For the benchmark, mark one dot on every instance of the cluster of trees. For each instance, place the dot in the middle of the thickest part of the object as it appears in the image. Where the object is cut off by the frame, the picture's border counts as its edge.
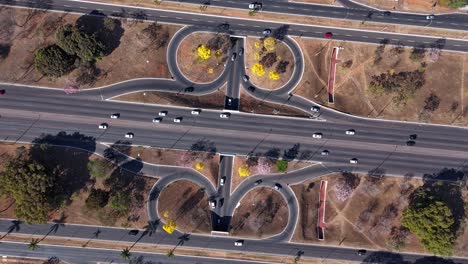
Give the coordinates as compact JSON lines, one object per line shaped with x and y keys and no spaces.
{"x":431,"y":220}
{"x":30,"y":185}
{"x":78,"y":46}
{"x":456,"y":3}
{"x":402,"y":85}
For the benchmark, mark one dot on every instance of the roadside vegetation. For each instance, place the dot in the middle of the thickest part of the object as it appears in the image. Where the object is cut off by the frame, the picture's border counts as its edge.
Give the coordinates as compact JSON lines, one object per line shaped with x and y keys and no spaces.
{"x":399,"y":214}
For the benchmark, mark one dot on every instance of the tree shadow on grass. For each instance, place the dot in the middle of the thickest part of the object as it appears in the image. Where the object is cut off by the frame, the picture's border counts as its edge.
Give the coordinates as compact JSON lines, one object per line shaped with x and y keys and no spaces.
{"x":384,"y":257}
{"x":107,"y":30}
{"x":59,"y":155}
{"x":118,"y":152}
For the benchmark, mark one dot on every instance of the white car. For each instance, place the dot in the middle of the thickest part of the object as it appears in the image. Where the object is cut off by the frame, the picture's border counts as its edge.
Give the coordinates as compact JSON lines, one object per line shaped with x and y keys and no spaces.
{"x":255,"y":6}
{"x":157,"y":120}
{"x":103,"y":126}
{"x":430,"y":17}
{"x":325,"y":152}
{"x":239,"y":243}
{"x":162,"y":113}
{"x":315,"y":109}
{"x":115,"y":116}
{"x":225,"y":115}
{"x":351,"y":132}
{"x":177,"y":119}
{"x":129,"y":135}
{"x":212,"y":204}
{"x":353,"y":161}
{"x":317,"y":135}
{"x":196,"y":112}
{"x":222,"y":181}
{"x":278,"y":186}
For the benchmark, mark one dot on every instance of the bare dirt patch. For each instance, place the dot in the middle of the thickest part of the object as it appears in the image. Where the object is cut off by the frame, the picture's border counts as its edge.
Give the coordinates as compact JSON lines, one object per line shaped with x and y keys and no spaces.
{"x":179,"y":158}
{"x":186,"y":204}
{"x":249,"y":104}
{"x":25,"y":31}
{"x":199,"y":70}
{"x":262,"y":213}
{"x":279,"y":59}
{"x":367,"y":215}
{"x":443,"y":77}
{"x":213,"y":100}
{"x":260,"y":165}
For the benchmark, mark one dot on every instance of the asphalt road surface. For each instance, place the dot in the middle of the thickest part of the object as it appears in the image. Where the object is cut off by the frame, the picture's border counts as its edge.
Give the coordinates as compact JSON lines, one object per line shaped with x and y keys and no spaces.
{"x":249,"y":27}
{"x":351,"y":11}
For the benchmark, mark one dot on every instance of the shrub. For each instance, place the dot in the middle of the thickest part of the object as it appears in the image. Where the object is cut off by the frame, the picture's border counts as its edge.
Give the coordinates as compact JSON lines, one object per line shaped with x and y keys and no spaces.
{"x":282,"y":165}
{"x":273,"y":75}
{"x":121,"y":202}
{"x":169,"y":227}
{"x":98,"y":168}
{"x":203,"y":52}
{"x":269,"y":59}
{"x":97,"y":199}
{"x":432,"y":103}
{"x":269,"y":43}
{"x":53,"y":61}
{"x":244,"y":171}
{"x":258,"y":69}
{"x":282,"y":66}
{"x":199,"y":166}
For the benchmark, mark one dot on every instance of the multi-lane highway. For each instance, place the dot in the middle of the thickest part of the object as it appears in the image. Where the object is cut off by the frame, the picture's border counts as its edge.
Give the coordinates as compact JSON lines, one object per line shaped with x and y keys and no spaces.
{"x":243,"y":26}
{"x":351,"y":11}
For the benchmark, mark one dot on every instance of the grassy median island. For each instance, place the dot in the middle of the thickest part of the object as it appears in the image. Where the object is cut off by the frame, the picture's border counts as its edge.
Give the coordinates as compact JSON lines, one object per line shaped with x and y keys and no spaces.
{"x":201,"y":56}
{"x":384,"y":213}
{"x":424,"y":84}
{"x":269,"y":62}
{"x":263,"y":212}
{"x":77,"y":186}
{"x":35,"y":49}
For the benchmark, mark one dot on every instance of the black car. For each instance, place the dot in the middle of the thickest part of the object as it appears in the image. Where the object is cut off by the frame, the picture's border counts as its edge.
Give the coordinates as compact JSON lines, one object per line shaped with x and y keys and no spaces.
{"x":361,"y":252}
{"x":258,"y":182}
{"x":413,"y":137}
{"x":189,"y":89}
{"x":410,"y":143}
{"x":133,"y":232}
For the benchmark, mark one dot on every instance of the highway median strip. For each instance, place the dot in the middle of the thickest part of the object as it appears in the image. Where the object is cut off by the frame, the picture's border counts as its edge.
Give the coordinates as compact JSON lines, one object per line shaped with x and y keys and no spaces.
{"x":149,"y":248}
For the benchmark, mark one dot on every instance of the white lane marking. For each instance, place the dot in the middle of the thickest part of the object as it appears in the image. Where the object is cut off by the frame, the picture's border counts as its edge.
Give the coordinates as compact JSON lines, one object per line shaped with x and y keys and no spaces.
{"x":241,"y":24}
{"x":363,"y":36}
{"x":83,"y":7}
{"x":411,"y":41}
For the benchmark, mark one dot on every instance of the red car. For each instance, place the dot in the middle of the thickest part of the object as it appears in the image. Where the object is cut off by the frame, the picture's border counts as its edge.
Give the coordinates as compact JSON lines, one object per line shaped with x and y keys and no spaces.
{"x":2,"y":92}
{"x":328,"y":35}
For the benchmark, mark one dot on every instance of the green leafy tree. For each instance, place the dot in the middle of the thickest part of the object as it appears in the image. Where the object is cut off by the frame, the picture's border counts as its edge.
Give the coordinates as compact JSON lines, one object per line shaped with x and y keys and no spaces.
{"x":456,"y":3}
{"x":282,"y":165}
{"x":431,"y":221}
{"x":30,"y":185}
{"x":98,"y":168}
{"x":78,"y":43}
{"x":125,"y":254}
{"x":34,"y":244}
{"x":97,"y":199}
{"x":53,"y":61}
{"x":121,"y":202}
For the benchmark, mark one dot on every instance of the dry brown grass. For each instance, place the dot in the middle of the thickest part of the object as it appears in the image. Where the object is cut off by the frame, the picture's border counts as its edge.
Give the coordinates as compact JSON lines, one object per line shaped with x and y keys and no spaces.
{"x":361,"y":220}
{"x":249,"y":104}
{"x":445,"y":78}
{"x":196,"y":69}
{"x":187,"y":205}
{"x":39,"y":31}
{"x":262,"y":213}
{"x":213,"y":100}
{"x":176,"y":158}
{"x":422,"y":6}
{"x":283,"y":53}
